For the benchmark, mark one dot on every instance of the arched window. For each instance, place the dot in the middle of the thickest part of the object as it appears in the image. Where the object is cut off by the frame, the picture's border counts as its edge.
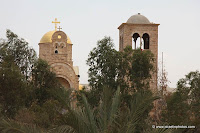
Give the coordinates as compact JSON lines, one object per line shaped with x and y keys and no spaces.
{"x":56,"y":51}
{"x":56,"y":45}
{"x":146,"y":40}
{"x":136,"y":41}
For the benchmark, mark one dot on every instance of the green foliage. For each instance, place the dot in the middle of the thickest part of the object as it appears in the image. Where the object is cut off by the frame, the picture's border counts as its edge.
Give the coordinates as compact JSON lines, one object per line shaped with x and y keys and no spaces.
{"x":102,"y":61}
{"x":111,"y":68}
{"x":136,"y":67}
{"x":10,"y":126}
{"x":17,"y":50}
{"x":48,"y":97}
{"x":47,"y":114}
{"x":177,"y":110}
{"x":16,"y":59}
{"x":13,"y":88}
{"x":44,"y":81}
{"x":29,"y":90}
{"x":141,"y":69}
{"x":183,"y":105}
{"x":103,"y":119}
{"x":109,"y":116}
{"x":93,"y":97}
{"x":129,"y":69}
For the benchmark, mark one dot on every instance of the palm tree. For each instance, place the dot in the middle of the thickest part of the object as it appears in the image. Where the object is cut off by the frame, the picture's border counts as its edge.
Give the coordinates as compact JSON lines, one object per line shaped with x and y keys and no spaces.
{"x":110,"y":116}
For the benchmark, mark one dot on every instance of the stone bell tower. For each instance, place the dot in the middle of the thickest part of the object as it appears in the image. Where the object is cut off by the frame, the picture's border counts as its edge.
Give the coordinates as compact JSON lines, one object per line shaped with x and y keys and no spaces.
{"x":56,"y":48}
{"x":138,"y":32}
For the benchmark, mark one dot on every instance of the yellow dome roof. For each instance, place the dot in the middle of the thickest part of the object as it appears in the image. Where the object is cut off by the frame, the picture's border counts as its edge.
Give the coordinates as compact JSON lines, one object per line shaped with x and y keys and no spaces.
{"x":47,"y":38}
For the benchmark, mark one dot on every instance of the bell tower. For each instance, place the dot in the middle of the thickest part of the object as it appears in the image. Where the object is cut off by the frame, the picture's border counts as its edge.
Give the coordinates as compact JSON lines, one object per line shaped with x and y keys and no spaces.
{"x":139,"y":32}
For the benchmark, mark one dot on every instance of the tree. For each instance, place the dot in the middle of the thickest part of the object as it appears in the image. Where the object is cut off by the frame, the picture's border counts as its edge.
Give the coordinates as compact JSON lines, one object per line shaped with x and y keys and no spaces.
{"x":108,"y":116}
{"x":103,"y":61}
{"x":189,"y":89}
{"x":44,"y":81}
{"x":177,"y":110}
{"x":136,"y":67}
{"x":48,"y":97}
{"x":17,"y":50}
{"x":129,"y":69}
{"x":16,"y":59}
{"x":13,"y":88}
{"x":183,"y":106}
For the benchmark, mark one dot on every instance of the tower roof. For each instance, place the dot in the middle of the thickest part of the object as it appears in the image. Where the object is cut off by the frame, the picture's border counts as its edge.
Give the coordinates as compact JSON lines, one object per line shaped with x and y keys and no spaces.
{"x":138,"y":19}
{"x":47,"y":37}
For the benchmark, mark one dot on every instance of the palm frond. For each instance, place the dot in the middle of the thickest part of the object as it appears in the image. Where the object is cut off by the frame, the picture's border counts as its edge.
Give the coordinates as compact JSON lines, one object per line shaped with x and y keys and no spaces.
{"x":90,"y":116}
{"x":140,"y":103}
{"x":11,"y":126}
{"x":114,"y":107}
{"x":63,"y":129}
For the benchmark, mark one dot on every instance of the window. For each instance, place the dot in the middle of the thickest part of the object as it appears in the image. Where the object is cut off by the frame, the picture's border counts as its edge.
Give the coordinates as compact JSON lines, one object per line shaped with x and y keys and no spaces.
{"x":59,"y":36}
{"x":136,"y":41}
{"x":146,"y":40}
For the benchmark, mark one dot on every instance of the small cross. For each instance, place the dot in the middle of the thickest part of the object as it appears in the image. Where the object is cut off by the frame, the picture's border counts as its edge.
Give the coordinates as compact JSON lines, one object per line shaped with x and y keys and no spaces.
{"x":55,"y":22}
{"x":59,"y":28}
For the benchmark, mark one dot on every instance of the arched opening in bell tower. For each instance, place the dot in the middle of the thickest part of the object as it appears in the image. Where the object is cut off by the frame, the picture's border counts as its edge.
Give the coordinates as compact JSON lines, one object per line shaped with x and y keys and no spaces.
{"x":136,"y":41}
{"x":145,"y":38}
{"x":64,"y":82}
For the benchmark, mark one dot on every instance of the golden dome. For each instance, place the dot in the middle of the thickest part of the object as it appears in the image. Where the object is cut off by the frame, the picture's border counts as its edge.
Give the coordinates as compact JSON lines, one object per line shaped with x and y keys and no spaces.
{"x":47,"y":38}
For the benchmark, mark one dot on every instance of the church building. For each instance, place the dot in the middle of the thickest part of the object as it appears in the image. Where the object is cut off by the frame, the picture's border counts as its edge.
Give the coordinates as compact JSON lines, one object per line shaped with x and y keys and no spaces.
{"x":56,"y":48}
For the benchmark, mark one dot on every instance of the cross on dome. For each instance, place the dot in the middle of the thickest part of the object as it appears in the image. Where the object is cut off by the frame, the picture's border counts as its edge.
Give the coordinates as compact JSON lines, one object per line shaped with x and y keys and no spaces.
{"x":55,"y":22}
{"x":59,"y":28}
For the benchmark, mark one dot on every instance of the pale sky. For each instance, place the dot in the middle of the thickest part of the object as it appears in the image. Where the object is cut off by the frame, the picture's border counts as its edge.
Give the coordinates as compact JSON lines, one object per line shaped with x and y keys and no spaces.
{"x":86,"y":21}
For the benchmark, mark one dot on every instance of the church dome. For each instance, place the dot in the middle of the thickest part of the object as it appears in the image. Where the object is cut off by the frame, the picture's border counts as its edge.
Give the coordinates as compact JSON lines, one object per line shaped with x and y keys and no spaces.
{"x":47,"y":38}
{"x":138,"y":19}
